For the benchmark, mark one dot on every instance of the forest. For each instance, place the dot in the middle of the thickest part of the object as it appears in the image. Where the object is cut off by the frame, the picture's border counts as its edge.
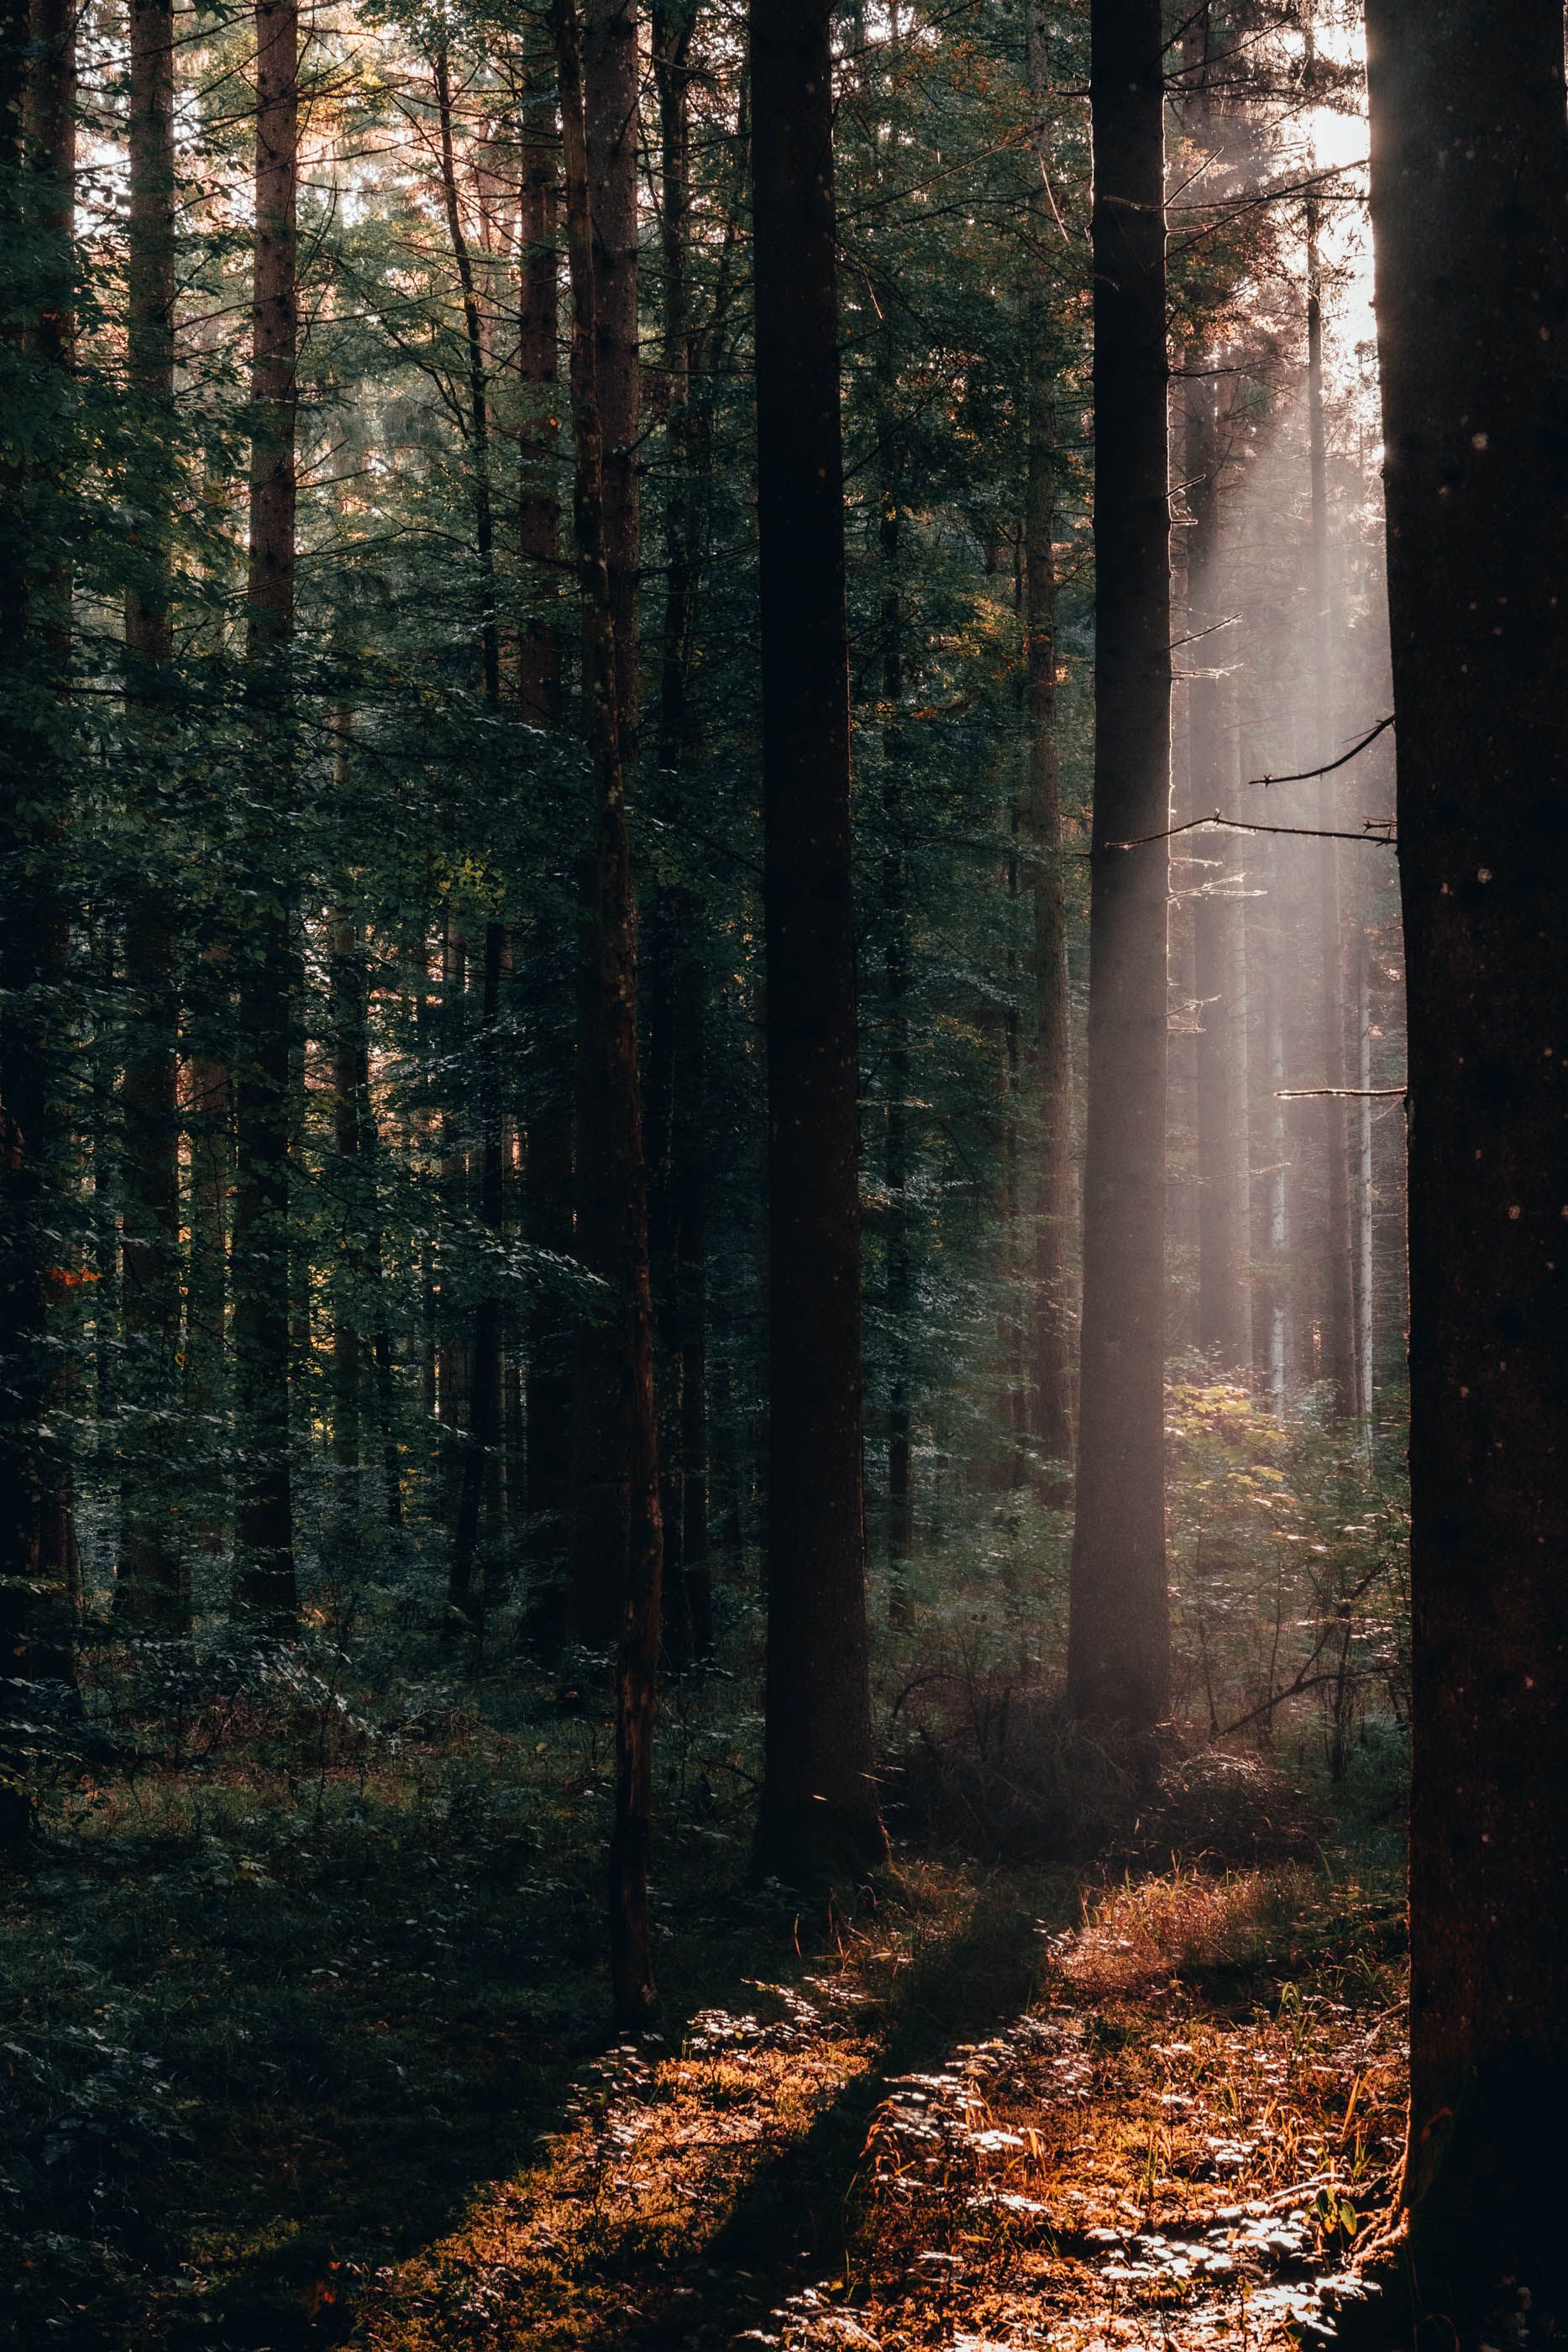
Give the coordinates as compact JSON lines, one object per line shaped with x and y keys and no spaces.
{"x":783,"y":1356}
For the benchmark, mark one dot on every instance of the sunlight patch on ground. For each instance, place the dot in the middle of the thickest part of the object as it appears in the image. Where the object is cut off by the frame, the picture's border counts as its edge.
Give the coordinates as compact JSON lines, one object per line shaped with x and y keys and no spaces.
{"x":1179,"y":2142}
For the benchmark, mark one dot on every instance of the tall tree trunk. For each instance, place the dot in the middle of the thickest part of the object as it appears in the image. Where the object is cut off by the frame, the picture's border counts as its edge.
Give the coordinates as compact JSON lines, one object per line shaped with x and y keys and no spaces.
{"x":1053,"y":1350}
{"x":484,"y":1434}
{"x":612,"y":79}
{"x":264,"y":1569}
{"x":1336,"y":1301}
{"x":538,"y":507}
{"x":151,"y":1575}
{"x":454,"y":1358}
{"x":620,"y":1200}
{"x":208,"y":1111}
{"x":547,"y":1207}
{"x":347,"y":981}
{"x":478,"y":381}
{"x":1224,"y":1294}
{"x":1366,"y":1397}
{"x":36,"y":170}
{"x":818,"y":1810}
{"x":603,"y":1508}
{"x":1119,"y":1643}
{"x":547,"y":1178}
{"x":1470,"y":193}
{"x":895,"y":1168}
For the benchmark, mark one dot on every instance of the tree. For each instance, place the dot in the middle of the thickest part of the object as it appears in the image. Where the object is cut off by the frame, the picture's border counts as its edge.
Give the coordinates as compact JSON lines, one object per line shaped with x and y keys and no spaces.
{"x":612,"y":1094}
{"x":603,"y":1505}
{"x":1335,"y":1264}
{"x":1119,"y":1664}
{"x":1053,"y":1351}
{"x":152,"y":1572}
{"x":1469,"y":190}
{"x":819,"y":1809}
{"x":264,"y":1569}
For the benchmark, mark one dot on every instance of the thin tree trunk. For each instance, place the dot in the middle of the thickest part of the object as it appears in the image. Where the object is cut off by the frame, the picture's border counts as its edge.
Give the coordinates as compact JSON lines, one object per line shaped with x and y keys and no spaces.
{"x":611,"y":75}
{"x":1365,"y":1193}
{"x":818,"y":1810}
{"x":151,"y":1575}
{"x":36,"y":172}
{"x":1470,"y":193}
{"x":209,"y":1127}
{"x":478,"y":385}
{"x":539,"y":506}
{"x":265,"y":1584}
{"x":1336,"y":1301}
{"x":485,"y":1387}
{"x":454,"y":1353}
{"x":549,"y":1191}
{"x":1224,"y":1297}
{"x":349,"y":1049}
{"x":900,"y":1278}
{"x":1119,"y":1641}
{"x":620,"y":1208}
{"x":602,"y":1506}
{"x":1277,"y":1162}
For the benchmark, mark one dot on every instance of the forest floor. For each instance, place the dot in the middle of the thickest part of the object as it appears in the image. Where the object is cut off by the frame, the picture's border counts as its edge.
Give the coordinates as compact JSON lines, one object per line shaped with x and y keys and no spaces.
{"x":306,"y":2048}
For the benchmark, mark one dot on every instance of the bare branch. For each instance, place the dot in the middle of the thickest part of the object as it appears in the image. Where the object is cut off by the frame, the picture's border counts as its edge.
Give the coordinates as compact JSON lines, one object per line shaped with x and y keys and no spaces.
{"x":1305,"y":776}
{"x":1384,"y":840}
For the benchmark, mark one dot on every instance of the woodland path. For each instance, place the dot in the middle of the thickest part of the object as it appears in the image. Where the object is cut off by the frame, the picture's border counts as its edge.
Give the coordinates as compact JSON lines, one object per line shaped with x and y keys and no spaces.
{"x":964,"y":2131}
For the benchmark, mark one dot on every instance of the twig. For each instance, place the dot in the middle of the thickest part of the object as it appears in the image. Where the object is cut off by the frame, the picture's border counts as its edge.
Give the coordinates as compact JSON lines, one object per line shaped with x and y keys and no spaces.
{"x":1239,"y":825}
{"x":1305,"y":776}
{"x":1340,"y":1094}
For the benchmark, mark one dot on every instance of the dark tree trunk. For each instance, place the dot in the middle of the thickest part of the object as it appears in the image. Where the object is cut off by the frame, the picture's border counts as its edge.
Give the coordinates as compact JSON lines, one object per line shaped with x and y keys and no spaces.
{"x":895,"y":1168}
{"x":264,"y":1567}
{"x":455,"y":1356}
{"x":478,"y":421}
{"x":539,"y":506}
{"x":548,"y":1179}
{"x":1470,"y":194}
{"x":480,"y":1459}
{"x":37,"y":89}
{"x":551,"y":1231}
{"x":611,"y":77}
{"x":819,"y":1809}
{"x":210,"y":1129}
{"x":349,"y":1052}
{"x":602,"y":1505}
{"x":613,"y":1096}
{"x":1052,"y":1350}
{"x":1119,"y":1647}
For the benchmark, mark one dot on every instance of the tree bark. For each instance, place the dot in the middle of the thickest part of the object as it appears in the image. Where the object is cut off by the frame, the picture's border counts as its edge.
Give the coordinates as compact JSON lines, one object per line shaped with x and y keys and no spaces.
{"x":265,"y":1585}
{"x":1053,"y":1350}
{"x":538,"y":506}
{"x":1224,"y":1294}
{"x":616,"y":1099}
{"x":346,"y":981}
{"x":478,"y":381}
{"x":480,"y":1459}
{"x":1119,"y":1641}
{"x":37,"y":176}
{"x":819,"y":1812}
{"x":1470,"y":190}
{"x":896,"y":1167}
{"x":611,"y":77}
{"x":1336,"y":1299}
